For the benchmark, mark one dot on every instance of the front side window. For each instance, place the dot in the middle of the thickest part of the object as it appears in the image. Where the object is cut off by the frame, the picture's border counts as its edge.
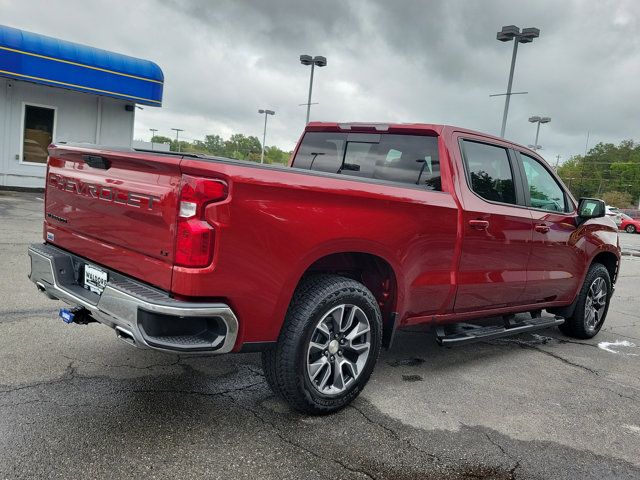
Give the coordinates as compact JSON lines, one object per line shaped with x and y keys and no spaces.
{"x":489,"y":172}
{"x":544,"y":191}
{"x":38,"y":133}
{"x":406,"y":159}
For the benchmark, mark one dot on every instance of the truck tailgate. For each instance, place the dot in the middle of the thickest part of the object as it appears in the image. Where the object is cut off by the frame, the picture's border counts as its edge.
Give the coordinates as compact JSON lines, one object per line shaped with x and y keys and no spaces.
{"x":118,"y":209}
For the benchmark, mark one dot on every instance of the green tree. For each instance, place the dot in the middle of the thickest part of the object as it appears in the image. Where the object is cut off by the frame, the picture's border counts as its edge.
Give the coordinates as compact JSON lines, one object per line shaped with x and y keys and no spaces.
{"x":618,"y":199}
{"x":160,"y":139}
{"x":242,"y":147}
{"x":275,"y":155}
{"x":605,"y":168}
{"x":238,"y":146}
{"x":214,"y":144}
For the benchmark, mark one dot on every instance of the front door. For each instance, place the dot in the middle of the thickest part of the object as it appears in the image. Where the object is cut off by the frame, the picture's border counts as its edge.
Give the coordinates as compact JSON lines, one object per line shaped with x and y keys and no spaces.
{"x":497,"y":227}
{"x":555,"y":265}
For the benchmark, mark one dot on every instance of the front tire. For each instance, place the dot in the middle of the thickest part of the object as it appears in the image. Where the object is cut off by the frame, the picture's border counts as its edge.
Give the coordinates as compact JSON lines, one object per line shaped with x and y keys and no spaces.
{"x":328,"y":346}
{"x":630,"y":229}
{"x":592,"y":304}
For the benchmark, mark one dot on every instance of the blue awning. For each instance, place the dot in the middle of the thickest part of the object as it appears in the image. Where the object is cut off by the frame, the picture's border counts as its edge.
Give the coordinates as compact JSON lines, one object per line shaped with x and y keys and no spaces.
{"x":36,"y":58}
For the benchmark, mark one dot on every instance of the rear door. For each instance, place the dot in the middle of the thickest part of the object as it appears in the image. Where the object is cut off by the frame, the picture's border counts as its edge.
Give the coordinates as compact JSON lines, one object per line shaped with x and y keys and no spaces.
{"x":497,"y":226}
{"x":556,"y":265}
{"x":117,"y":209}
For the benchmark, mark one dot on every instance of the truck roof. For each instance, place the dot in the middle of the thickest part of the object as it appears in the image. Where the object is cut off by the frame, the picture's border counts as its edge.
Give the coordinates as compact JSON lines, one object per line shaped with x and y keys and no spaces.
{"x":391,"y":127}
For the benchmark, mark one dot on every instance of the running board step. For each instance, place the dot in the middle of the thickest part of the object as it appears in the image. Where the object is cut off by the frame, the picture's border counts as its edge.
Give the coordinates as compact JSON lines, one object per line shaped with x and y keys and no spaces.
{"x":464,"y":333}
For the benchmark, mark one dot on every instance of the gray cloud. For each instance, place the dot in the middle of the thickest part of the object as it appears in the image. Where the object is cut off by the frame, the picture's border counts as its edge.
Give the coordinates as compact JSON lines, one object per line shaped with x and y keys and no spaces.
{"x":425,"y":61}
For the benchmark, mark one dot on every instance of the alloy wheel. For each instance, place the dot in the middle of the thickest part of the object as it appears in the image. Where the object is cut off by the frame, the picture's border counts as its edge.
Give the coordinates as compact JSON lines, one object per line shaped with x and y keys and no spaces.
{"x":595,"y":304}
{"x":338,"y":349}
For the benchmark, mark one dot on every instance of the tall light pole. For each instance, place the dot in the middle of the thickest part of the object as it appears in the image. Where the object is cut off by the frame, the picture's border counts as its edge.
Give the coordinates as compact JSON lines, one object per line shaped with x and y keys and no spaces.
{"x":178,"y":130}
{"x":264,"y":132}
{"x":537,"y":119}
{"x":508,"y":33}
{"x":316,"y":61}
{"x":153,"y":134}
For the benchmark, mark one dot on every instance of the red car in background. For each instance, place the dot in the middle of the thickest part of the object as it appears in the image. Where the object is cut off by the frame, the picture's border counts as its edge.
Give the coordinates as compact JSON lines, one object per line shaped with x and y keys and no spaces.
{"x":628,"y":224}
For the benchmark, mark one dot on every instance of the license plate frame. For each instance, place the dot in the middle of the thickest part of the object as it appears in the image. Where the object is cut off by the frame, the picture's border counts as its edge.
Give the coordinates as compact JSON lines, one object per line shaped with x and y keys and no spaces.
{"x":95,"y":279}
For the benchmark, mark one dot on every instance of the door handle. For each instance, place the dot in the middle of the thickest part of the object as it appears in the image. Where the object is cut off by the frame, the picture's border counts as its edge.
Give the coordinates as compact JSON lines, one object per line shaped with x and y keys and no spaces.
{"x":542,"y":228}
{"x":479,"y":224}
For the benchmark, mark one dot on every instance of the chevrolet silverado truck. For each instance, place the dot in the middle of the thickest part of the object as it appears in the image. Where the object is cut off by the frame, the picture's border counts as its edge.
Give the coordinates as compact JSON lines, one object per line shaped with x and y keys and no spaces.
{"x":371,"y":228}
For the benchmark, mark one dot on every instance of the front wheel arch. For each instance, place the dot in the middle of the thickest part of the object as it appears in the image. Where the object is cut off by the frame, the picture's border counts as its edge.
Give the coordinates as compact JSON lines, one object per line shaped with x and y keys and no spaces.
{"x":610,"y":261}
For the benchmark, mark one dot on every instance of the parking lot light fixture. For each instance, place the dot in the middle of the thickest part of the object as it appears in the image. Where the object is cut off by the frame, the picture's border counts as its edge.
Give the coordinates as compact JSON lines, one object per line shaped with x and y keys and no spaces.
{"x":538,"y":119}
{"x":317,"y":61}
{"x":153,"y":134}
{"x":264,"y":132}
{"x":507,"y":34}
{"x":178,"y":130}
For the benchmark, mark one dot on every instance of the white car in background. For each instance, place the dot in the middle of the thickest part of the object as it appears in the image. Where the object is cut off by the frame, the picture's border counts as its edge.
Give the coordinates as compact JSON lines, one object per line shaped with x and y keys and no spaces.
{"x":614,"y":213}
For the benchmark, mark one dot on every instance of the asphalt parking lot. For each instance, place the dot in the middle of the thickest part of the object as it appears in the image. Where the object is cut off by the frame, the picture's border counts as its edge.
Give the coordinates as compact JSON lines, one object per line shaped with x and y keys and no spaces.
{"x":77,"y":403}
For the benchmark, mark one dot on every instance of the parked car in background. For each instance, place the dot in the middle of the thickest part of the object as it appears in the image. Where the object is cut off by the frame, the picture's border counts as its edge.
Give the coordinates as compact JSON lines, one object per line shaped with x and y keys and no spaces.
{"x":614,"y":214}
{"x":628,"y":224}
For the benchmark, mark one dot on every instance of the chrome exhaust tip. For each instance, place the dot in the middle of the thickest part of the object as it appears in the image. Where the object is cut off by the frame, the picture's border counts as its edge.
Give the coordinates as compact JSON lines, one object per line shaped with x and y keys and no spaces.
{"x":125,"y":335}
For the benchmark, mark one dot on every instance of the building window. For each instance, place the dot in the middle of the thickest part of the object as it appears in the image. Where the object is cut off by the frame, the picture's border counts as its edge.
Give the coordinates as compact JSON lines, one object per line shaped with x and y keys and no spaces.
{"x":38,"y":131}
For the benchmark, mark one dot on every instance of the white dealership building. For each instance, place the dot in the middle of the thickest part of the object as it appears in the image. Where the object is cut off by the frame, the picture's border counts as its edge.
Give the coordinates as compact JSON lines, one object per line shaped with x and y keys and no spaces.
{"x":52,"y":90}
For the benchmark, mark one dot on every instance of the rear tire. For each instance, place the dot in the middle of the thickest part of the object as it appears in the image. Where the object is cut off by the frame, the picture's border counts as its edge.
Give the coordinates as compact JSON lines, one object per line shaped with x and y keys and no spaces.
{"x":328,"y":346}
{"x":592,"y":304}
{"x":630,"y":229}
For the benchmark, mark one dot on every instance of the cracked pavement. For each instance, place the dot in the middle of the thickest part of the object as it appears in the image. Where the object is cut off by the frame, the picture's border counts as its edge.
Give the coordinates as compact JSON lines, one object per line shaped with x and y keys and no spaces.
{"x":77,"y":403}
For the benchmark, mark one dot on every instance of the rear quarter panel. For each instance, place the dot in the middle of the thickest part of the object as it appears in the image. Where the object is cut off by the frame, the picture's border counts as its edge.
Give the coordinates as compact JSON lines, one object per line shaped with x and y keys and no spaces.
{"x":278,"y":222}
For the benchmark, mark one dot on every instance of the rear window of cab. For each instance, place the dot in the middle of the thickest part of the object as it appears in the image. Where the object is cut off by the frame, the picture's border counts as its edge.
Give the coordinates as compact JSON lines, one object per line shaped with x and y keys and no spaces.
{"x":403,"y":159}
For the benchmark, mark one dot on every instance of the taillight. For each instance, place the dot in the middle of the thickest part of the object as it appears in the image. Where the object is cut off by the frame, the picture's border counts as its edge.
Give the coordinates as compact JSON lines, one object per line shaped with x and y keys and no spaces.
{"x":195,"y":237}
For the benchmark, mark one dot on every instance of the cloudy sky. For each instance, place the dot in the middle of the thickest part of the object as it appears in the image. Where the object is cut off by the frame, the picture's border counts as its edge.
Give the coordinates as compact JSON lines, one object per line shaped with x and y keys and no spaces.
{"x":402,"y":61}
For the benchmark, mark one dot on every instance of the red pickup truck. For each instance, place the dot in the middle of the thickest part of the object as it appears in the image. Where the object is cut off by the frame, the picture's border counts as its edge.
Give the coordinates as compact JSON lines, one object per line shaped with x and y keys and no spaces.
{"x":371,"y":228}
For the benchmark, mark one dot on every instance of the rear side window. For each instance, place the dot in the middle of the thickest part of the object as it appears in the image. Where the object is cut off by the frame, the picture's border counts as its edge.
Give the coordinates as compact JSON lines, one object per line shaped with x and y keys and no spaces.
{"x":489,"y":171}
{"x":544,"y":191}
{"x":406,"y":159}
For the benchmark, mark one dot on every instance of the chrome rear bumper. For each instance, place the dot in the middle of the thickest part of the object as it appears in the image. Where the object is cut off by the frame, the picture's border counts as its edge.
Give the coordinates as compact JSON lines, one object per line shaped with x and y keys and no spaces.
{"x":141,"y":315}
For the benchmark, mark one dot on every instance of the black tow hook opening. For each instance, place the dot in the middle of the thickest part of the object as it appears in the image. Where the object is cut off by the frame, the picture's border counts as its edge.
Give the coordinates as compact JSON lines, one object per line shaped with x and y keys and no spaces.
{"x":79,"y":315}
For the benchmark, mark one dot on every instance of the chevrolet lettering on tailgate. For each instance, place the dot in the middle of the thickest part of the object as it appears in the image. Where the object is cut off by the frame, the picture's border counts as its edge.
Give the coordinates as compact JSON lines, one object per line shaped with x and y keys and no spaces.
{"x":108,"y":194}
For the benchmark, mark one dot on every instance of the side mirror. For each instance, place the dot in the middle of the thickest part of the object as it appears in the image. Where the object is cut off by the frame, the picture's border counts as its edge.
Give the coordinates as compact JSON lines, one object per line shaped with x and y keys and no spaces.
{"x":591,"y":208}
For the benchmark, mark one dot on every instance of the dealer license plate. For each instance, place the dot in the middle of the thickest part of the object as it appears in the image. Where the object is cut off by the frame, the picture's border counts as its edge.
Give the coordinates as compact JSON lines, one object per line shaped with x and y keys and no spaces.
{"x":94,"y":279}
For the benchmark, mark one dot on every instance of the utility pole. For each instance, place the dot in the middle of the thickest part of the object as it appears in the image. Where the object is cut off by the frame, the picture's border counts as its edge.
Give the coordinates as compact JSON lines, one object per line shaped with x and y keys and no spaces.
{"x":586,"y":144}
{"x":557,"y":161}
{"x":178,"y":130}
{"x":153,"y":134}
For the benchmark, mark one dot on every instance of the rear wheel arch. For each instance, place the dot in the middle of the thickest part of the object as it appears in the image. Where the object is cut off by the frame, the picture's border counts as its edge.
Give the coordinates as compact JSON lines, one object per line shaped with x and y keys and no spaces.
{"x":373,"y":271}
